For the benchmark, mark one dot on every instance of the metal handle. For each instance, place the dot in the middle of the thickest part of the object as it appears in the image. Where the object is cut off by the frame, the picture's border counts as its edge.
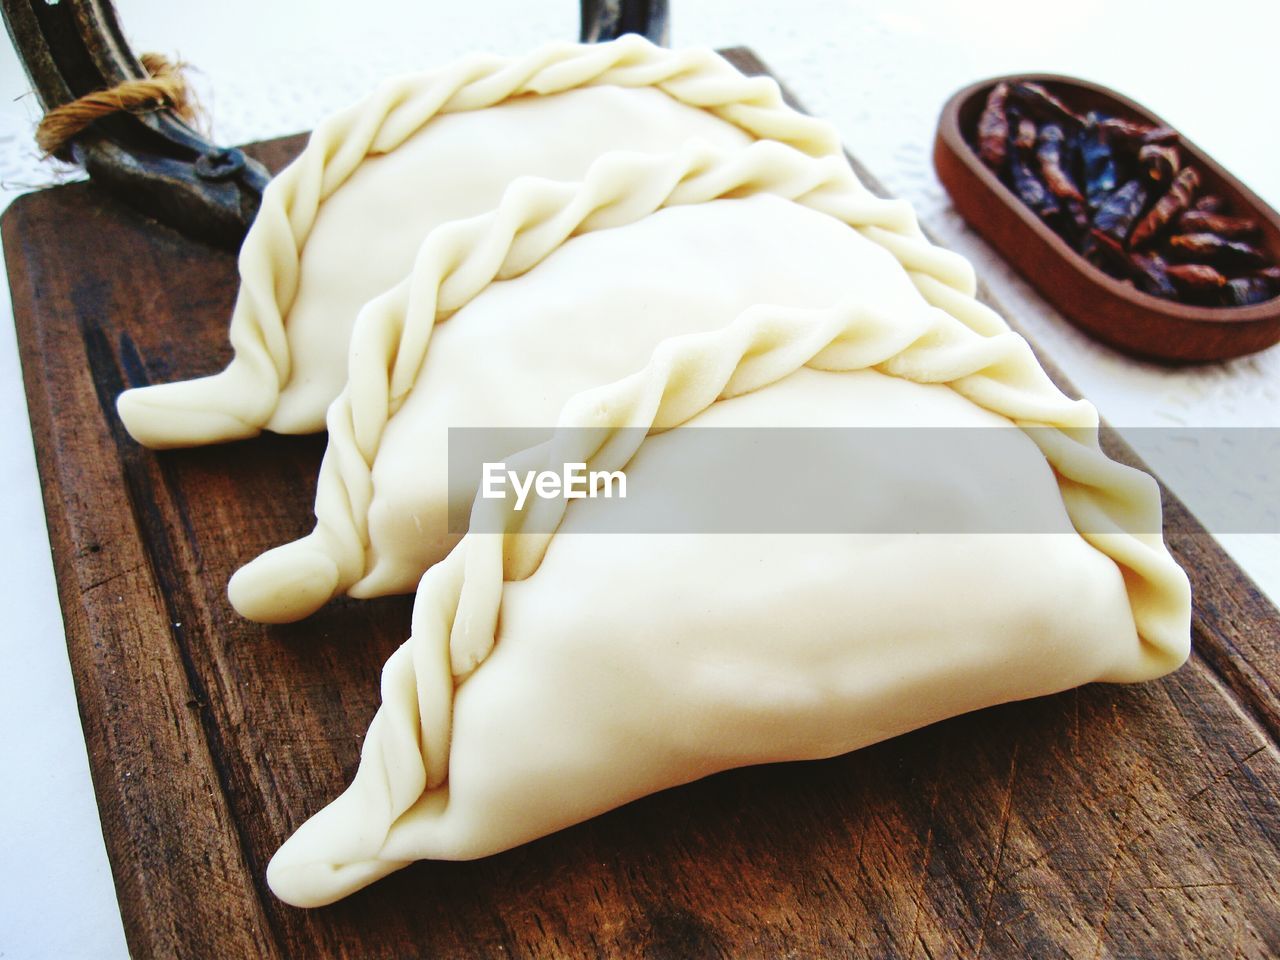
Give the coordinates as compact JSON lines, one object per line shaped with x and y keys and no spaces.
{"x":610,"y":19}
{"x":155,"y":161}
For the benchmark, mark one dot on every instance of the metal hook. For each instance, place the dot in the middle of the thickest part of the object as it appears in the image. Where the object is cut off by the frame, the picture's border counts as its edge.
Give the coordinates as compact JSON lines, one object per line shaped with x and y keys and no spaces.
{"x":151,"y":160}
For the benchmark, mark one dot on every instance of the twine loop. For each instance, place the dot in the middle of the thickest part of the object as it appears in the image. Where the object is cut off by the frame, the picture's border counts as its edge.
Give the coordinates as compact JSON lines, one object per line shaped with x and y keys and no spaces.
{"x":165,"y":88}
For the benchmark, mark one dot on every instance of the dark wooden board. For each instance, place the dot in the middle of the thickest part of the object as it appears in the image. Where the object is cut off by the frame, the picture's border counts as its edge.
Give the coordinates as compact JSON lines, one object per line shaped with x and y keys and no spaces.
{"x":1107,"y":821}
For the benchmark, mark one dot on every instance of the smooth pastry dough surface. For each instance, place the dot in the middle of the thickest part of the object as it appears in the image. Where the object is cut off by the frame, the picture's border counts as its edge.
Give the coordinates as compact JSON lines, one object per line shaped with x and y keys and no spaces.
{"x":343,"y":222}
{"x":597,"y":273}
{"x":551,"y":677}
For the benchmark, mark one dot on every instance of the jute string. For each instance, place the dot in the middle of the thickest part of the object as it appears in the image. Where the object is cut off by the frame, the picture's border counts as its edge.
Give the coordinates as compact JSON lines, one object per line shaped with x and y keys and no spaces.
{"x":165,"y":89}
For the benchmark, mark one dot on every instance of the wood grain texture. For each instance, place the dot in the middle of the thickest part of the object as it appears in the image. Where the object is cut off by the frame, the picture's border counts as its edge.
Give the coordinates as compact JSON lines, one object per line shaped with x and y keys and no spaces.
{"x":1103,"y":822}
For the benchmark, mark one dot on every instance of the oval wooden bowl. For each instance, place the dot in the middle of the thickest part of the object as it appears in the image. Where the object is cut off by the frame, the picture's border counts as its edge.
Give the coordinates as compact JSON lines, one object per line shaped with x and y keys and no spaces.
{"x":1114,"y":312}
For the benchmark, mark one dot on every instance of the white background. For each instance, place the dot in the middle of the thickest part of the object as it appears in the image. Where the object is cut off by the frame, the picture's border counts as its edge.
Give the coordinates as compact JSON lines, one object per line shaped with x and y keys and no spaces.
{"x":880,"y":70}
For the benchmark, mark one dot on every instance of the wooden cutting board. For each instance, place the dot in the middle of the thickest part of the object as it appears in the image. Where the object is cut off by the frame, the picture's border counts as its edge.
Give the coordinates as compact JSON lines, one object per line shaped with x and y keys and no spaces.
{"x":1107,"y":821}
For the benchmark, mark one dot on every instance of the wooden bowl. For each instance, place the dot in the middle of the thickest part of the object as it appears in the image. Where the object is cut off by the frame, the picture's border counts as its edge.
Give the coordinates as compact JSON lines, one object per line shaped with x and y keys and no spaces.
{"x":1114,"y":312}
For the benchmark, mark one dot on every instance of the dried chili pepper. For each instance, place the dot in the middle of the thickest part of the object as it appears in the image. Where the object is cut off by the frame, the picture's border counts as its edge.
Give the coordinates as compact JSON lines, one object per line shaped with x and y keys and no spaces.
{"x":1181,"y":192}
{"x":1118,"y":212}
{"x":1195,"y":277}
{"x":1043,"y":104}
{"x":1031,"y":189}
{"x":1098,"y":162}
{"x":1213,"y":250}
{"x":1153,"y":275}
{"x":993,"y":128}
{"x":1133,"y":133}
{"x":1245,"y":291}
{"x":1056,"y":178}
{"x":1159,"y":162}
{"x":1271,"y":276}
{"x":1049,"y":153}
{"x":1229,"y":228}
{"x":1025,"y":134}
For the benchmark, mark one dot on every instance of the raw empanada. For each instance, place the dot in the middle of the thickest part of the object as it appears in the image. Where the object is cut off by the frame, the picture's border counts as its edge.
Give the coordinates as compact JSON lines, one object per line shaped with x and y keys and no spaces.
{"x":583,"y":305}
{"x":551,"y":677}
{"x":343,"y":222}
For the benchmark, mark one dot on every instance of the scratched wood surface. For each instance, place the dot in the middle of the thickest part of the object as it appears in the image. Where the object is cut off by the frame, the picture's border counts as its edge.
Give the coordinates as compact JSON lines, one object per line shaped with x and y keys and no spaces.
{"x":1105,"y":822}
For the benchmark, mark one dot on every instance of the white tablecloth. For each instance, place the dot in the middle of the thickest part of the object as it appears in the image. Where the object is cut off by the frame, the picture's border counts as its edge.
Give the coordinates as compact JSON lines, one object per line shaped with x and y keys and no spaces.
{"x":881,"y":71}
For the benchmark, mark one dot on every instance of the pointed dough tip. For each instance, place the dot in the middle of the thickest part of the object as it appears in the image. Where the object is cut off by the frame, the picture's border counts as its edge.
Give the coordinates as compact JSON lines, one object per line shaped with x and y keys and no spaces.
{"x":167,"y":415}
{"x":284,"y":584}
{"x":301,"y":881}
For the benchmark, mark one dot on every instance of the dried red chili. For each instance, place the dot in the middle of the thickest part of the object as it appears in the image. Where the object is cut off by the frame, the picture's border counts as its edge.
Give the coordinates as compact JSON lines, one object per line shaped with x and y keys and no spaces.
{"x":1031,"y":190}
{"x":1098,"y":162}
{"x":1246,"y":291}
{"x":1049,"y":153}
{"x":1196,"y":277}
{"x":1118,"y":212}
{"x":1215,"y":251}
{"x":1159,"y":162}
{"x":1134,"y":134}
{"x":993,"y":128}
{"x":1152,"y":274}
{"x":1181,"y":193}
{"x":1025,"y":135}
{"x":1229,"y":228}
{"x":1042,"y":103}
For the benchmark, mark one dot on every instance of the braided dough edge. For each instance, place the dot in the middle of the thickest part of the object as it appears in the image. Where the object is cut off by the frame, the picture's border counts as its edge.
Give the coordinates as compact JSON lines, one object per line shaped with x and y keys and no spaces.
{"x":239,"y":401}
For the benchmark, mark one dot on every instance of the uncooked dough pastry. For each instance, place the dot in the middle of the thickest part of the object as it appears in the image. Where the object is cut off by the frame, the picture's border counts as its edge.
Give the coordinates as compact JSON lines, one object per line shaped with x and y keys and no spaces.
{"x":343,"y":222}
{"x":562,"y":288}
{"x":552,"y":676}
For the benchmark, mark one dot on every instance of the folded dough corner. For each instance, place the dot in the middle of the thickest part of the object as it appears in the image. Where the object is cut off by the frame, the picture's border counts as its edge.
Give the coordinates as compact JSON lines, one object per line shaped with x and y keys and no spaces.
{"x":552,"y":676}
{"x":562,"y":288}
{"x":343,"y":222}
